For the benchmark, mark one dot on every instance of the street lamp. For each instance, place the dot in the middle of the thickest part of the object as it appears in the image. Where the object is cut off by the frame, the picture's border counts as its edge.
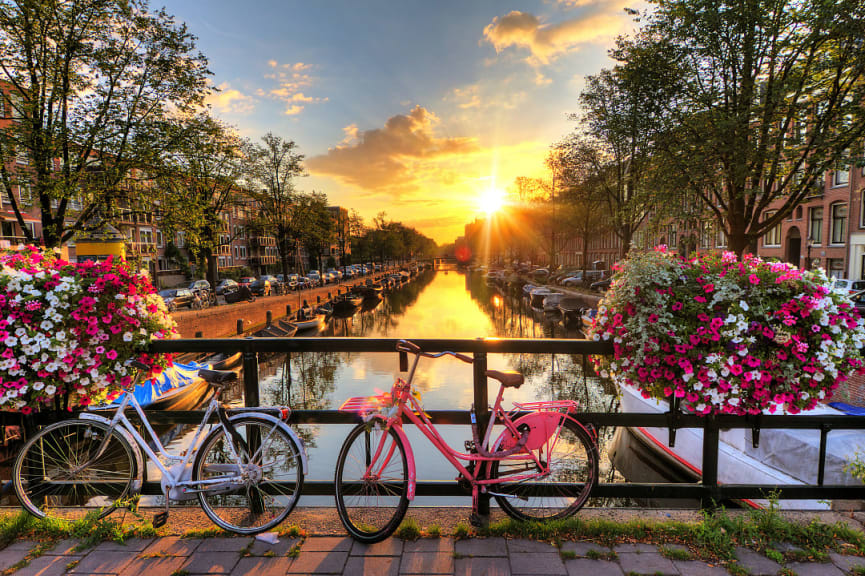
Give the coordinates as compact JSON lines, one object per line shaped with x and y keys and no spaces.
{"x":809,"y":243}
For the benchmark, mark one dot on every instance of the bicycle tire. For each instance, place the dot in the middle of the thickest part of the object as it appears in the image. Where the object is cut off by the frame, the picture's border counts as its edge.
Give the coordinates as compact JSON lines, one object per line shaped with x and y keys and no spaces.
{"x":48,"y":465}
{"x":280,"y":467}
{"x":578,"y":458}
{"x":370,"y":511}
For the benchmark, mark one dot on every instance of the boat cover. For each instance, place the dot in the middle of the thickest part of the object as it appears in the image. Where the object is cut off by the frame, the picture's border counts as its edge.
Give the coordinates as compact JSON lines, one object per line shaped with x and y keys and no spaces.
{"x":848,"y":408}
{"x":178,"y":376}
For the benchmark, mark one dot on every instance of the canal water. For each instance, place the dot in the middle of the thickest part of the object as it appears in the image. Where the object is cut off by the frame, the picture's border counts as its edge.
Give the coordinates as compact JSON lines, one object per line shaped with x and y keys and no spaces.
{"x":435,"y":304}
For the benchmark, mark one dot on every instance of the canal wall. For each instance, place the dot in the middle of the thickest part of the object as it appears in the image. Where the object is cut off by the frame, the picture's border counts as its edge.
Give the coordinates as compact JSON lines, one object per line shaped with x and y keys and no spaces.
{"x":221,"y":321}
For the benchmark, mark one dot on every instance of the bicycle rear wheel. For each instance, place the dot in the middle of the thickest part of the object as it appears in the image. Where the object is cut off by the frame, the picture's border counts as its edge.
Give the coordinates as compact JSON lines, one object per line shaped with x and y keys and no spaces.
{"x":573,"y":465}
{"x":257,"y":492}
{"x":60,"y":470}
{"x":371,"y":506}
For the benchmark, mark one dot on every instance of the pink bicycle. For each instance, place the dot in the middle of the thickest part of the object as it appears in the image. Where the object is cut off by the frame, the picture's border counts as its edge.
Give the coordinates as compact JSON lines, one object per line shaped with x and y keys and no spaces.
{"x":543,"y":465}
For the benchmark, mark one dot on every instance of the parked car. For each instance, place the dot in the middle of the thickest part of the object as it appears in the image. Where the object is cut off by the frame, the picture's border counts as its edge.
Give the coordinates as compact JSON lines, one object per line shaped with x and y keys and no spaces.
{"x":314,"y":277}
{"x":292,"y":283}
{"x":602,"y":285}
{"x":593,"y":276}
{"x":850,"y":285}
{"x":261,"y":287}
{"x":175,"y":298}
{"x":199,"y":285}
{"x":275,"y":283}
{"x":859,"y":301}
{"x":246,"y":281}
{"x":574,"y":280}
{"x":304,"y":282}
{"x":225,"y":286}
{"x":242,"y":293}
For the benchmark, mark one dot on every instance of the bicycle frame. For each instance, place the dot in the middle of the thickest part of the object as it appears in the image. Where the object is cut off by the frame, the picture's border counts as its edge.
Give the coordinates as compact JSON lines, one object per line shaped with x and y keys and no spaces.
{"x":172,"y":480}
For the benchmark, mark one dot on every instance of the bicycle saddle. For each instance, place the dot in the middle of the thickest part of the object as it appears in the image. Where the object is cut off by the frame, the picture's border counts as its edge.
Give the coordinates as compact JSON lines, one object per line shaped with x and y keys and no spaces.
{"x":508,"y":378}
{"x":217,"y":376}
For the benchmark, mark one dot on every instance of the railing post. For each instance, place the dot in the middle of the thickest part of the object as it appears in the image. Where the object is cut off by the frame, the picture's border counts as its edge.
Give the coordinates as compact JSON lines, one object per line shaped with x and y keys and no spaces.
{"x":239,"y":326}
{"x":250,"y":375}
{"x":482,"y":414}
{"x":711,"y":438}
{"x":269,"y":318}
{"x":288,"y":309}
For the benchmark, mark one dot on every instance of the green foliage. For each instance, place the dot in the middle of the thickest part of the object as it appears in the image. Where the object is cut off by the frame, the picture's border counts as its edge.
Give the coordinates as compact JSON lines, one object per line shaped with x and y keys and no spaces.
{"x":433,"y":531}
{"x":461,"y":531}
{"x":675,"y":553}
{"x":408,"y":530}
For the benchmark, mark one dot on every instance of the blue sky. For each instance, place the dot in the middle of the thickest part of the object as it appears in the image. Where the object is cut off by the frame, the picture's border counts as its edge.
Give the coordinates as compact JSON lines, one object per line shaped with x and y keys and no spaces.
{"x":419,"y":109}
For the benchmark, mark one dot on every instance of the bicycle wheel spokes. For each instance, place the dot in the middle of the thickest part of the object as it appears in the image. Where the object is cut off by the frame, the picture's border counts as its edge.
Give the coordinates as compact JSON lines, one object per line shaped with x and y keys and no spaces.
{"x":557,"y":488}
{"x":60,"y":472}
{"x":371,"y":483}
{"x":249,"y":495}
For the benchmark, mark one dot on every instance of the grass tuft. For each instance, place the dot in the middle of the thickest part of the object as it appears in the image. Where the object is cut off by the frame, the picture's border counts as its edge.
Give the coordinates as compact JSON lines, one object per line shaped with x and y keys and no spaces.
{"x":461,"y":531}
{"x":675,"y":553}
{"x":433,"y":531}
{"x":408,"y":530}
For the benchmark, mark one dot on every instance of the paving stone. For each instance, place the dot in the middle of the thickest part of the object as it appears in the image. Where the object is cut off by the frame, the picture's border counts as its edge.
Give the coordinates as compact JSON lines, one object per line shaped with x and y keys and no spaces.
{"x":784,"y":547}
{"x":133,"y":545}
{"x":697,"y":568}
{"x":223,"y":544}
{"x":537,"y":563}
{"x":156,"y":566}
{"x":371,"y":566}
{"x":172,"y":546}
{"x":426,"y":563}
{"x":815,"y":569}
{"x":318,"y":563}
{"x":11,"y":557}
{"x":521,"y":546}
{"x":638,"y":548}
{"x":281,"y":548}
{"x":441,"y":545}
{"x":327,"y":544}
{"x":646,"y":563}
{"x":756,"y":564}
{"x":103,"y":563}
{"x":481,"y":547}
{"x":21,"y":545}
{"x":47,"y":566}
{"x":583,"y":566}
{"x":845,"y":562}
{"x":482,"y":566}
{"x":63,"y":548}
{"x":211,"y":562}
{"x":389,"y":547}
{"x":582,"y":548}
{"x":258,"y":566}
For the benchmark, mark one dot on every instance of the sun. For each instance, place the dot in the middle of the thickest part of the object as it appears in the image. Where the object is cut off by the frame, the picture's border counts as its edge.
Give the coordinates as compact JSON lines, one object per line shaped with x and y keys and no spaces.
{"x":491,"y":200}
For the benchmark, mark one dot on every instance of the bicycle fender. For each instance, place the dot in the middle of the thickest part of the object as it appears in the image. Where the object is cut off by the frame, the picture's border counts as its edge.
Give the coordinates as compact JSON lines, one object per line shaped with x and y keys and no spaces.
{"x":284,"y":426}
{"x":136,"y":450}
{"x":541,"y":426}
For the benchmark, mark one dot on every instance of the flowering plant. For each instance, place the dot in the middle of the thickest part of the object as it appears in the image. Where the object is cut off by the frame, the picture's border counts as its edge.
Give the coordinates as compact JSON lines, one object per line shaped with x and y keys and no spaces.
{"x":728,"y":336}
{"x":72,"y":330}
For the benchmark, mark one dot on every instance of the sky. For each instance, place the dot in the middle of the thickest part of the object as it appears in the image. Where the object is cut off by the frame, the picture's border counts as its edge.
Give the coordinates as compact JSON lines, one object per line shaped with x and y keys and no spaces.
{"x":426,"y":110}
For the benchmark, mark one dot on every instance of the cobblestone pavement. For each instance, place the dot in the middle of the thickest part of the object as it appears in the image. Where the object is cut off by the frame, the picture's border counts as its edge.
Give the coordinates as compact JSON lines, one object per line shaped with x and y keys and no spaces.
{"x":176,"y":556}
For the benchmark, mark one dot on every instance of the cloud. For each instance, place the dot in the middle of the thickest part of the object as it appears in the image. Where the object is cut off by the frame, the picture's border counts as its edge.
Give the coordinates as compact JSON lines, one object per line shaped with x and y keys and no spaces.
{"x":227,"y":100}
{"x":468,"y":97}
{"x":545,"y":42}
{"x":391,"y":158}
{"x":290,"y":80}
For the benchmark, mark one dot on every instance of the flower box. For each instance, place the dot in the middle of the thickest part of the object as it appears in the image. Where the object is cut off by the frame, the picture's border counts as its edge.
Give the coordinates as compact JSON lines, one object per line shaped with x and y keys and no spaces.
{"x":727,"y":336}
{"x":69,"y":332}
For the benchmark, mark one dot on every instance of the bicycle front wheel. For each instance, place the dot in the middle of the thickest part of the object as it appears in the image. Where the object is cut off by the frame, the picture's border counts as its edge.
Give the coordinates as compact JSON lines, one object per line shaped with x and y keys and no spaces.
{"x":71,"y":465}
{"x":255,"y":490}
{"x":371,"y":483}
{"x":533,"y":495}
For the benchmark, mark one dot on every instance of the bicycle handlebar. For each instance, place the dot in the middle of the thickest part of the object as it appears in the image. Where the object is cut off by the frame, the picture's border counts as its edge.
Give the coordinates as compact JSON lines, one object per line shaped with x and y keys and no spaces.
{"x":406,"y":346}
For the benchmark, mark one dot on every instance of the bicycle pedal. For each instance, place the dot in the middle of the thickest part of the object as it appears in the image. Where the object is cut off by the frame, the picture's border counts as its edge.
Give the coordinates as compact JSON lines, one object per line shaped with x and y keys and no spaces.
{"x":160,"y":519}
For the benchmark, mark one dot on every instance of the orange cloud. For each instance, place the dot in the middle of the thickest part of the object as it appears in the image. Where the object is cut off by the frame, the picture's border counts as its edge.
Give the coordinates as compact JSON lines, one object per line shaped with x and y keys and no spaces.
{"x":291,"y":79}
{"x":230,"y":101}
{"x":392,"y":158}
{"x":545,"y":42}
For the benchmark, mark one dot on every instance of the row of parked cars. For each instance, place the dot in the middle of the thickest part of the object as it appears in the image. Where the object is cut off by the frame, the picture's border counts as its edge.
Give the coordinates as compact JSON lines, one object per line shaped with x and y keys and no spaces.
{"x":598,"y":280}
{"x":199,"y":293}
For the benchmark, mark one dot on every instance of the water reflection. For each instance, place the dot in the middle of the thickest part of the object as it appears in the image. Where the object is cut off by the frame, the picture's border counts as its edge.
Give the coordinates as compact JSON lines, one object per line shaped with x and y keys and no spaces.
{"x":432,"y":305}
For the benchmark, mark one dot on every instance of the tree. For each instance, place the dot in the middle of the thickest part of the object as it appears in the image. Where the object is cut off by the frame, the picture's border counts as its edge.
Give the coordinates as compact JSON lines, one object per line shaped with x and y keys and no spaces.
{"x":91,"y":80}
{"x":196,"y":181}
{"x":761,"y":99}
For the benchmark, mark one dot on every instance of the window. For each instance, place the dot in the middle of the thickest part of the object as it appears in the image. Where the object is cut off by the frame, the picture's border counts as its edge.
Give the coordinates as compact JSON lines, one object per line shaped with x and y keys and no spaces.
{"x":672,"y":236}
{"x":159,"y":240}
{"x":798,"y":212}
{"x":181,"y":239}
{"x":25,"y":193}
{"x":720,"y":238}
{"x":815,"y":225}
{"x":841,"y":174}
{"x":773,"y":236}
{"x":839,"y":223}
{"x":145,"y":235}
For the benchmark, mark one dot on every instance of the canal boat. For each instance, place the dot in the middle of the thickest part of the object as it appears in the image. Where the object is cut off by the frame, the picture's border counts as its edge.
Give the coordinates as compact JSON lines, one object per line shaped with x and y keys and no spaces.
{"x":782,"y":456}
{"x":551,"y":304}
{"x":537,"y":297}
{"x":307,"y":319}
{"x":175,"y":388}
{"x":588,"y":317}
{"x":571,"y":308}
{"x":347,"y":304}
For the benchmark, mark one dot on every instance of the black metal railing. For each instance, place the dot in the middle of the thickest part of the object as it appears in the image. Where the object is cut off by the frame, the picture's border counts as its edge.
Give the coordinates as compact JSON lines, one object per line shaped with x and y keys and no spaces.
{"x":708,"y":490}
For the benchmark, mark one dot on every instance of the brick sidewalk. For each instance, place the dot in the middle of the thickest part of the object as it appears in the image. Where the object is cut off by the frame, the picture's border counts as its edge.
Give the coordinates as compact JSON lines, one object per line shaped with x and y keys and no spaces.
{"x":177,"y":556}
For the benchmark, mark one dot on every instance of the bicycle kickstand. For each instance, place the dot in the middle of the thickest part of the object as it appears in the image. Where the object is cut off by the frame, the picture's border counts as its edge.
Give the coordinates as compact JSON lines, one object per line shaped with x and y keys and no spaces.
{"x":161,"y":518}
{"x":475,"y":519}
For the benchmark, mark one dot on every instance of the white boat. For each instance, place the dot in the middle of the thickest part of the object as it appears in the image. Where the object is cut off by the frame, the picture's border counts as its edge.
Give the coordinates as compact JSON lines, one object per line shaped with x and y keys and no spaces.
{"x":538,"y":295}
{"x":781,"y":457}
{"x":551,"y":303}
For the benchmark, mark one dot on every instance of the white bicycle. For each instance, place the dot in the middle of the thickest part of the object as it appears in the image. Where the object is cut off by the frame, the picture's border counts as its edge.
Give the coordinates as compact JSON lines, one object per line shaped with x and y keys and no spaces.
{"x":247,"y":472}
